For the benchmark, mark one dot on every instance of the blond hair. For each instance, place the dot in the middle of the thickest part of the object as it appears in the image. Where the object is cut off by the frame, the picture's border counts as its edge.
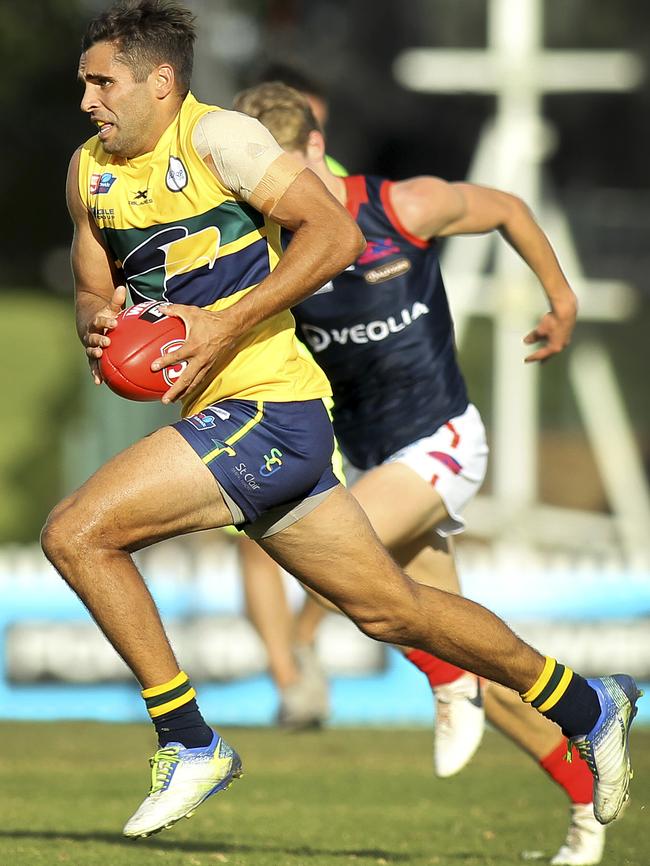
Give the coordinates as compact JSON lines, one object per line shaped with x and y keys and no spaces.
{"x":284,"y":112}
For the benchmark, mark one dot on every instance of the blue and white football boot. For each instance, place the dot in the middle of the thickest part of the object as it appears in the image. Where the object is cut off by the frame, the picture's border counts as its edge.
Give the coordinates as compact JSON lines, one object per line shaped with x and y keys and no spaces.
{"x":181,"y":779}
{"x":606,"y":747}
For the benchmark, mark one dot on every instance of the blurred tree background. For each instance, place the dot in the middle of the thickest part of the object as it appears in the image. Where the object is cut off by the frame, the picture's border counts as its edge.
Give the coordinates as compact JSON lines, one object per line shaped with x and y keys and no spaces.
{"x":59,"y":429}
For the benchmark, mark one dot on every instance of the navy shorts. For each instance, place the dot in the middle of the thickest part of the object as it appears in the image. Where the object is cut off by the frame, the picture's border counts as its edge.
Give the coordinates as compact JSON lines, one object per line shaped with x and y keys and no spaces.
{"x":264,"y":455}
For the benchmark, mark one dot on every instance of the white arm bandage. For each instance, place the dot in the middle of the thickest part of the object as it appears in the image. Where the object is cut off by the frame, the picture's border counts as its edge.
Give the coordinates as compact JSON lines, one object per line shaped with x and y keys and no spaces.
{"x":246,"y":157}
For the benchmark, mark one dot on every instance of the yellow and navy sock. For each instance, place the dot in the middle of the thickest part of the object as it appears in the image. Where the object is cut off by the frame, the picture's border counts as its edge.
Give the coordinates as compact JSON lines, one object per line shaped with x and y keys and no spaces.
{"x":564,"y":697}
{"x":175,"y":713}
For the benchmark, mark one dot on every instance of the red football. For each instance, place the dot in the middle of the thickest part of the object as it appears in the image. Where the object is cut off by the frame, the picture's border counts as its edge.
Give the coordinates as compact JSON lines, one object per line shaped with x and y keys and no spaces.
{"x":143,"y":333}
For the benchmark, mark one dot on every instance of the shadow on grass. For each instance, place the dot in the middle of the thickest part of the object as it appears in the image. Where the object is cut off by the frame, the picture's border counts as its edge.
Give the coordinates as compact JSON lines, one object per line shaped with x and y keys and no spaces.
{"x":207,"y":847}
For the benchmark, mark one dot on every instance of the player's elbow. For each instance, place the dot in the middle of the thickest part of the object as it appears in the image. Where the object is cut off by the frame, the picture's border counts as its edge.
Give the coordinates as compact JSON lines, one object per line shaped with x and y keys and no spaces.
{"x":515,"y":211}
{"x":350,"y":243}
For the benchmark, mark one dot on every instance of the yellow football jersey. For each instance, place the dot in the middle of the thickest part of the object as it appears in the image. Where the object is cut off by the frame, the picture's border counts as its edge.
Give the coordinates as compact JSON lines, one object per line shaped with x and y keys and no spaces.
{"x":179,"y":235}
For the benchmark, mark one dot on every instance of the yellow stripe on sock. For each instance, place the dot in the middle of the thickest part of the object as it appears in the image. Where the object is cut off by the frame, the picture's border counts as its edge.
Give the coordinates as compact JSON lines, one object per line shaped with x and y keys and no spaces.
{"x":557,"y":693}
{"x":541,"y":682}
{"x":154,"y":712}
{"x":154,"y":691}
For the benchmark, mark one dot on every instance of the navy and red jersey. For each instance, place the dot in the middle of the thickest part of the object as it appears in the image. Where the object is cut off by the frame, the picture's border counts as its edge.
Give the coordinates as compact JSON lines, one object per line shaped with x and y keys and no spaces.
{"x":383,"y":334}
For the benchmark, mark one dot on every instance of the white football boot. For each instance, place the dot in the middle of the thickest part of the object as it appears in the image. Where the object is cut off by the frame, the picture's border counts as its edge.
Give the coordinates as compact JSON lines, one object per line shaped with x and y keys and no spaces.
{"x":459,"y":724}
{"x":181,"y":779}
{"x":585,"y":841}
{"x":606,"y":747}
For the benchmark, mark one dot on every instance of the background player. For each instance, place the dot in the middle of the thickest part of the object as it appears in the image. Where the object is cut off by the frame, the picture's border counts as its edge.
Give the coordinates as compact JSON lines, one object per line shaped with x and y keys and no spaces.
{"x":383,"y":334}
{"x":289,"y":641}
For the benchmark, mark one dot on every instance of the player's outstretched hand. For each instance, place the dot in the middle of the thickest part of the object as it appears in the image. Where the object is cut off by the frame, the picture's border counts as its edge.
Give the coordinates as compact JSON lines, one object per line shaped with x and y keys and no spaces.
{"x":96,"y":339}
{"x":554,"y":331}
{"x":209,"y":344}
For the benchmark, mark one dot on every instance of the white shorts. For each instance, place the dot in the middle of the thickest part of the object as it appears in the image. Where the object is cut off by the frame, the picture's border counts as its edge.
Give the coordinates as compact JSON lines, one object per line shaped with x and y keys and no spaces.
{"x":453,"y":460}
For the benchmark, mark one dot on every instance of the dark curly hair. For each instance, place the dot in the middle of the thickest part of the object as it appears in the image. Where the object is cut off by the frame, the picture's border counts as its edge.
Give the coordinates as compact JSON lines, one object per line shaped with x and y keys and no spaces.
{"x":147,"y":33}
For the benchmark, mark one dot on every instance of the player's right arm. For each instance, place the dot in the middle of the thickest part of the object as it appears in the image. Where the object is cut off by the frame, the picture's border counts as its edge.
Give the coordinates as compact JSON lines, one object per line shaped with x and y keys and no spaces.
{"x":430,"y":207}
{"x":98,"y":298}
{"x":246,"y":160}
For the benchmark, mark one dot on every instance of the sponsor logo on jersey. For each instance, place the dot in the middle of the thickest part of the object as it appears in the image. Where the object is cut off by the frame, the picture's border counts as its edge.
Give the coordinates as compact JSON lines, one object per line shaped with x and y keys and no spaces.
{"x":376,"y":250}
{"x":176,"y":178}
{"x":387,"y":272}
{"x":272,"y":462}
{"x":364,"y":332}
{"x":105,"y":214}
{"x":219,"y":412}
{"x":172,"y":373}
{"x":101,"y":183}
{"x":246,"y":477}
{"x":202,"y":421}
{"x":140,"y":197}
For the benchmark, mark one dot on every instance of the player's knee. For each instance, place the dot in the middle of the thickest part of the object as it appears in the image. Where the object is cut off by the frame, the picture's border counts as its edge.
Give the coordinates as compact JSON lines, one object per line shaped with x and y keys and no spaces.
{"x":63,"y":536}
{"x":387,"y":625}
{"x":54,"y":538}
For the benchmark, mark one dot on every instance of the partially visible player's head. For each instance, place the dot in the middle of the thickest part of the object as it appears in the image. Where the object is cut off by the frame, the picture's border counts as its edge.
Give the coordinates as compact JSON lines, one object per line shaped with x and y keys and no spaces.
{"x":136,"y":64}
{"x":294,"y":77}
{"x":287,"y":115}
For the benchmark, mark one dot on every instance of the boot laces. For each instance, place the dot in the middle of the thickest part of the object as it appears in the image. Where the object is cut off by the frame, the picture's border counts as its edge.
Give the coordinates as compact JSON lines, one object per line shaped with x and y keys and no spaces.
{"x":162,"y":766}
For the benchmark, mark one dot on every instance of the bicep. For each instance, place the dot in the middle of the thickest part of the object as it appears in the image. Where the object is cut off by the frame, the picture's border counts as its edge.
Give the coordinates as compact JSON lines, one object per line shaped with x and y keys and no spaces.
{"x":483,"y":210}
{"x":430,"y":207}
{"x":306,"y":199}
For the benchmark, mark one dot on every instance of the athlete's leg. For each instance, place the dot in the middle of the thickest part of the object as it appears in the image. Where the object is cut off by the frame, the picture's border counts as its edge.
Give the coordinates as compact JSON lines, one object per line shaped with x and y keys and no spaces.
{"x":428,"y":558}
{"x":400,"y":505}
{"x":387,"y":605}
{"x":545,"y":743}
{"x":540,"y":738}
{"x":309,"y":617}
{"x":293,"y":665}
{"x":531,"y":732}
{"x":459,"y":715}
{"x":376,"y":491}
{"x":397,"y":500}
{"x":270,"y":614}
{"x":154,"y":490}
{"x":269,"y":611}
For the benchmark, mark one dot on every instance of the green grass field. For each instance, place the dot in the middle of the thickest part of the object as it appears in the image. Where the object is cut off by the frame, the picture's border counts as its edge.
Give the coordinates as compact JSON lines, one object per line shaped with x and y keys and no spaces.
{"x":337,"y":797}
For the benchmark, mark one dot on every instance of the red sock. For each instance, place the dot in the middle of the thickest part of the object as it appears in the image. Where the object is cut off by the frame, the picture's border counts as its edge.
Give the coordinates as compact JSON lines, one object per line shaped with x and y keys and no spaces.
{"x":438,"y":673}
{"x":574,"y":777}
